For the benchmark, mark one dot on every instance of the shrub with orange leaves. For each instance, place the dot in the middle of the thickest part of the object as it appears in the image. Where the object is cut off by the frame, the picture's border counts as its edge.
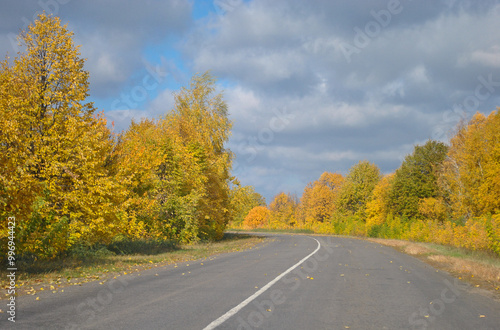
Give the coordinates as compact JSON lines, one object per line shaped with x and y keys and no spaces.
{"x":258,"y":217}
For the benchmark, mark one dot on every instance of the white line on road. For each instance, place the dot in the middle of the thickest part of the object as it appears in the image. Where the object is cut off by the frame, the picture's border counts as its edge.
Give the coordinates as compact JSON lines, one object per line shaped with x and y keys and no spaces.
{"x":245,"y":302}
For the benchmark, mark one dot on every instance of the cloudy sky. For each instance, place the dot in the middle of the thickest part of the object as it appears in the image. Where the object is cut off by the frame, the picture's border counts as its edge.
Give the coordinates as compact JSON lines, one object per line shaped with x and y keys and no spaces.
{"x":312,"y":86}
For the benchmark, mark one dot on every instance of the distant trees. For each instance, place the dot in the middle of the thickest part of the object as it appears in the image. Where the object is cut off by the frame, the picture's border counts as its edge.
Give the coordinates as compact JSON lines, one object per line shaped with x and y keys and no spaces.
{"x":443,"y":194}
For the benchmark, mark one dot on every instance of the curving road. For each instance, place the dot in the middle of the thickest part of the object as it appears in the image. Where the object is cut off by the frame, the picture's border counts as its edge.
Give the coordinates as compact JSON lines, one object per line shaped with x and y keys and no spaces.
{"x":290,"y":282}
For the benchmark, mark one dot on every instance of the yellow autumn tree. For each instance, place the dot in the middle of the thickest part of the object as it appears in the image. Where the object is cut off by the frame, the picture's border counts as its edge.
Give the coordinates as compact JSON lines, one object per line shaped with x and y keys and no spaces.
{"x":257,"y":217}
{"x":319,"y":198}
{"x":18,"y":186}
{"x":60,"y":156}
{"x":282,"y":211}
{"x":470,"y":174}
{"x":377,"y":208}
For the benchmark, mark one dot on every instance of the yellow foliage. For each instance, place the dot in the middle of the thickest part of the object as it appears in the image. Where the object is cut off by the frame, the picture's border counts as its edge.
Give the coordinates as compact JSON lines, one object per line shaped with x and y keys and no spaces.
{"x":282,"y":211}
{"x":377,"y":208}
{"x":258,"y":217}
{"x":319,"y":198}
{"x":470,"y":175}
{"x":58,"y":161}
{"x":432,"y":209}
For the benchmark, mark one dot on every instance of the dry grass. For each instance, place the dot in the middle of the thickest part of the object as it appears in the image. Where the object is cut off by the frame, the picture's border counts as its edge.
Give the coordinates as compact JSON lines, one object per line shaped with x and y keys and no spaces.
{"x":467,"y":267}
{"x":440,"y":258}
{"x":415,"y":249}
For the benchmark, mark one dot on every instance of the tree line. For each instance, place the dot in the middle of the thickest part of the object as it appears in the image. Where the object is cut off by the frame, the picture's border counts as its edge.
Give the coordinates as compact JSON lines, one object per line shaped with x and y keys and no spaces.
{"x":69,"y":180}
{"x":448,"y":194}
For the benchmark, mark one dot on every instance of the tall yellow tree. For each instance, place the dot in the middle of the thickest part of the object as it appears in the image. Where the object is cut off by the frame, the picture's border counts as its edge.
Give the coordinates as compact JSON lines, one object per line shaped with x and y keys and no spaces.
{"x":470,"y":174}
{"x":282,"y":211}
{"x":62,"y":154}
{"x":377,"y":208}
{"x":319,"y":199}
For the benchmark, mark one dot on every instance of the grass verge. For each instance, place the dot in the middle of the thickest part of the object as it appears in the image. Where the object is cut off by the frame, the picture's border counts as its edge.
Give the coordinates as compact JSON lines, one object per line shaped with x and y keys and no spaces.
{"x":54,"y":275}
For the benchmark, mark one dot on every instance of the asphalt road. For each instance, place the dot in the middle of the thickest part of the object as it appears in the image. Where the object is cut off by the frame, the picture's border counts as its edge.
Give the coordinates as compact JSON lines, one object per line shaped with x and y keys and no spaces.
{"x":340,"y":283}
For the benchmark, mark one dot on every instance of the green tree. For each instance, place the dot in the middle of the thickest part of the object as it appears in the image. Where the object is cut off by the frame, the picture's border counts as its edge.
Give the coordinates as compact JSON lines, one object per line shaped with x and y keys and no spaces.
{"x":358,"y":187}
{"x":416,"y":179}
